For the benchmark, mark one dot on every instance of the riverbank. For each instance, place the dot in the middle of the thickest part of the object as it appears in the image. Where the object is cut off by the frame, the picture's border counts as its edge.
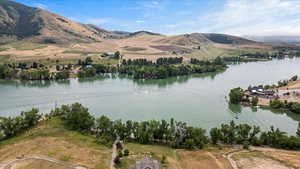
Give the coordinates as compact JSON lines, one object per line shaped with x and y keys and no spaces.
{"x":138,"y":69}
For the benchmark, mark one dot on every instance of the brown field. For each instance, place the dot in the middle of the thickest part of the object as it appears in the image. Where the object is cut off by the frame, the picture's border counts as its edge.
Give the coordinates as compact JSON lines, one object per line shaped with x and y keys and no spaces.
{"x":51,"y":140}
{"x":141,"y":46}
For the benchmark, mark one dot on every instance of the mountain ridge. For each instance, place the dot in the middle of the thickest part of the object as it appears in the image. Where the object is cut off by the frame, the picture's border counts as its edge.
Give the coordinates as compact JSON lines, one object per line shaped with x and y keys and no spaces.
{"x":20,"y":22}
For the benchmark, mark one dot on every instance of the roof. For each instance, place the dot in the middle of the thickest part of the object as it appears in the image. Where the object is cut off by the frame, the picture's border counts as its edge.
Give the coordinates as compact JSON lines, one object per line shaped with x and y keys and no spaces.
{"x":147,"y":163}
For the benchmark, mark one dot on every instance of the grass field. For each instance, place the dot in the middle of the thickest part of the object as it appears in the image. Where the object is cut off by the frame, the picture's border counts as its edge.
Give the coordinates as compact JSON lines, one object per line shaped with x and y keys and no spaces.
{"x":52,"y":140}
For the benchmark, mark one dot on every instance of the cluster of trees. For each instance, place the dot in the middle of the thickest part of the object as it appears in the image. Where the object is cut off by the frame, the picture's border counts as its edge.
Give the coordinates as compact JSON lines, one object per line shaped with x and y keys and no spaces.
{"x":173,"y":133}
{"x":159,"y":61}
{"x":165,"y":71}
{"x":291,"y":106}
{"x":7,"y":72}
{"x":236,"y":95}
{"x":85,"y":62}
{"x":42,"y":74}
{"x":10,"y":127}
{"x":87,"y":72}
{"x":252,"y":135}
{"x":138,"y":69}
{"x":169,"y":61}
{"x":280,"y":83}
{"x":137,"y":62}
{"x":166,"y":67}
{"x":216,"y":61}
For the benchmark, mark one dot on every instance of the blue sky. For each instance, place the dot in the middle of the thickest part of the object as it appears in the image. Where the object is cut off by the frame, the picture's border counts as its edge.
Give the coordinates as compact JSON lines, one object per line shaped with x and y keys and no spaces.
{"x":237,"y":17}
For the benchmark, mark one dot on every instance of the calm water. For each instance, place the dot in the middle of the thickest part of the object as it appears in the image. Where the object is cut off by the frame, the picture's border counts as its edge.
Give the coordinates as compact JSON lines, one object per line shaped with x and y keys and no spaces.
{"x":198,"y":100}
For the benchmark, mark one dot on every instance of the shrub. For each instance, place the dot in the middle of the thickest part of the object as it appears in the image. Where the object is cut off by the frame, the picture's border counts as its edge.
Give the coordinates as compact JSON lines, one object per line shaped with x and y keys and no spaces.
{"x":126,"y":152}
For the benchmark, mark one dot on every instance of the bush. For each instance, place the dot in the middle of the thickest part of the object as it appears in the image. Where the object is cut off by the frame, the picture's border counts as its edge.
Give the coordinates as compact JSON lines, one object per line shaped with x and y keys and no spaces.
{"x":126,"y":152}
{"x":295,"y":108}
{"x":246,"y":145}
{"x":276,"y":104}
{"x":254,"y":101}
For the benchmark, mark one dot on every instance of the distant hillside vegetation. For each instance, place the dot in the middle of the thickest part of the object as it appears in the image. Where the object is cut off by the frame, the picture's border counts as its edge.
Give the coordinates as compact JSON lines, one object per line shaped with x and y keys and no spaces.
{"x":195,"y":39}
{"x":18,"y":21}
{"x":227,"y":39}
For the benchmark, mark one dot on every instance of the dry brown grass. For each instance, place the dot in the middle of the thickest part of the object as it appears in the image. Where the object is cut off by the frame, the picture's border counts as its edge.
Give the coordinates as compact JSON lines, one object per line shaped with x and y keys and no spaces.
{"x":258,"y":160}
{"x":38,"y":164}
{"x":50,"y":139}
{"x":202,"y":159}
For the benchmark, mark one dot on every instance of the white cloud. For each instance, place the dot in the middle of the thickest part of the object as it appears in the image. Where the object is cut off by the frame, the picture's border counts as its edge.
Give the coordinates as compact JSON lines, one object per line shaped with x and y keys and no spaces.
{"x":40,"y":5}
{"x":140,"y":21}
{"x":259,"y":17}
{"x":152,"y":4}
{"x":246,"y":17}
{"x":97,"y":21}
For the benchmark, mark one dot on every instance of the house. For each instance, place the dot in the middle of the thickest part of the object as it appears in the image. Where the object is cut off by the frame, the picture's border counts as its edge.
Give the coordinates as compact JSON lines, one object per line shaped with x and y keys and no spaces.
{"x":260,"y":91}
{"x":147,"y":163}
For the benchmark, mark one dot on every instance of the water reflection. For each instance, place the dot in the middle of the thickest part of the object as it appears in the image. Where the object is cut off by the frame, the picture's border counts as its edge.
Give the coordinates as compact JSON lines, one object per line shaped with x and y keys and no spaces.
{"x":34,"y":84}
{"x":161,"y":83}
{"x":290,"y":114}
{"x":235,"y":109}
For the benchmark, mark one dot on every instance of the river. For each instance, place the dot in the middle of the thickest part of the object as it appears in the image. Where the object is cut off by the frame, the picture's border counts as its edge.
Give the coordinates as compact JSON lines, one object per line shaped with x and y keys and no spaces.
{"x":199,"y":100}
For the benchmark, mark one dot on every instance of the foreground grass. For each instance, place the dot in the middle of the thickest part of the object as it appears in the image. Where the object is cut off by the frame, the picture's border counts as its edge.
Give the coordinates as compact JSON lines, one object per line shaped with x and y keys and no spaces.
{"x":50,"y":138}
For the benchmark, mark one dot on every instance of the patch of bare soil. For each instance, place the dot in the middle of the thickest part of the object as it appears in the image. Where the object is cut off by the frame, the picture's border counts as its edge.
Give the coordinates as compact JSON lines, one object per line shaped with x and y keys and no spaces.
{"x":258,"y":160}
{"x":291,"y":158}
{"x":203,"y":160}
{"x":259,"y":163}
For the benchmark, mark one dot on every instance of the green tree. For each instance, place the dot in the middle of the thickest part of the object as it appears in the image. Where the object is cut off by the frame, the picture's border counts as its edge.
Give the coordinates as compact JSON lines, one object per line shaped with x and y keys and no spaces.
{"x":117,"y":55}
{"x":215,"y":135}
{"x":104,"y":126}
{"x":295,"y":108}
{"x":88,"y":61}
{"x":254,"y":101}
{"x":236,"y":95}
{"x":30,"y":118}
{"x":79,"y":118}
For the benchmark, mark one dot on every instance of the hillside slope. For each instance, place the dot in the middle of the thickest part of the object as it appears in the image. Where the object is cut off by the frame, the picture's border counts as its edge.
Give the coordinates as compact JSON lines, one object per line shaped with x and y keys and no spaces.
{"x":18,"y":21}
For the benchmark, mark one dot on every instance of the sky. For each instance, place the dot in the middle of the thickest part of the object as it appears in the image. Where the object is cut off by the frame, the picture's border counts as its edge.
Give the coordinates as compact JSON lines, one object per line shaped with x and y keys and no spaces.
{"x":170,"y":17}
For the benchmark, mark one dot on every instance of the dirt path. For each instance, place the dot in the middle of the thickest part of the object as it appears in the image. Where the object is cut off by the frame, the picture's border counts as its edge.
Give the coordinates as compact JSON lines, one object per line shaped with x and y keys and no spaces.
{"x":229,"y":158}
{"x":14,"y":162}
{"x":220,"y":165}
{"x":114,"y":155}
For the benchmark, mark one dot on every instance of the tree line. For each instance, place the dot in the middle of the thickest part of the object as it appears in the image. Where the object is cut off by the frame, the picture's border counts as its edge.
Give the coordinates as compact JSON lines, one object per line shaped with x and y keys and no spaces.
{"x":159,"y":61}
{"x":173,"y":133}
{"x":12,"y":126}
{"x":162,"y":68}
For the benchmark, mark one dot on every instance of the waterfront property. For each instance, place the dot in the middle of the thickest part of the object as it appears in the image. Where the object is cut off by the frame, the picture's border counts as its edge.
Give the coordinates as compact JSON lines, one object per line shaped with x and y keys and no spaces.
{"x":261,"y":92}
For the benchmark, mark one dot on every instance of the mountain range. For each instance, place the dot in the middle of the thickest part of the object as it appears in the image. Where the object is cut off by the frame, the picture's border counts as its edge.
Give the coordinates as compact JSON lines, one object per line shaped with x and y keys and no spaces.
{"x":58,"y":36}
